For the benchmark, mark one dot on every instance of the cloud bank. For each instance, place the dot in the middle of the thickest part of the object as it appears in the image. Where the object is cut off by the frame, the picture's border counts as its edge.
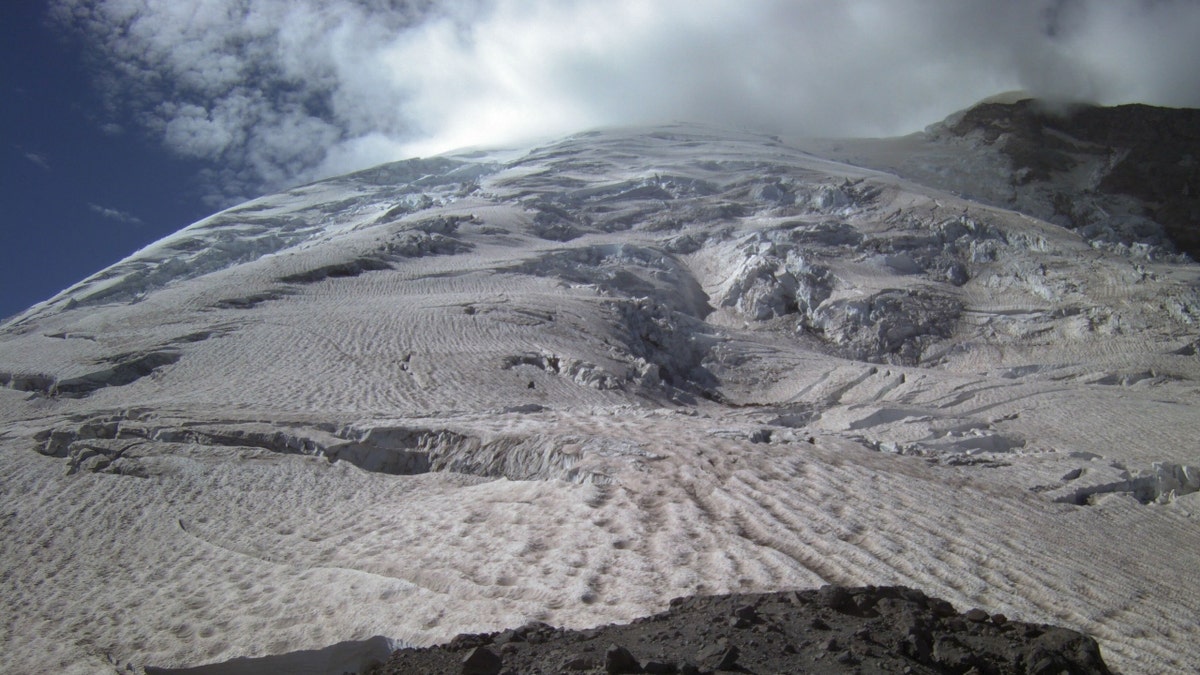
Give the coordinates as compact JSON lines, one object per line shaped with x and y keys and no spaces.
{"x":271,"y":92}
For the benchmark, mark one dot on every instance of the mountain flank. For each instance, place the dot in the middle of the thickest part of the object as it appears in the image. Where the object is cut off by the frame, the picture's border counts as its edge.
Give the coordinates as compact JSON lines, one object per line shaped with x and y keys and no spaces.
{"x":1126,"y":178}
{"x":561,"y":385}
{"x":1146,"y":153}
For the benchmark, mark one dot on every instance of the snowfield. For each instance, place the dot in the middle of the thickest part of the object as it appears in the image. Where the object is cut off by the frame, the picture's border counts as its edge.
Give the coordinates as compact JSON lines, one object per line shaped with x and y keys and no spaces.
{"x":458,"y":394}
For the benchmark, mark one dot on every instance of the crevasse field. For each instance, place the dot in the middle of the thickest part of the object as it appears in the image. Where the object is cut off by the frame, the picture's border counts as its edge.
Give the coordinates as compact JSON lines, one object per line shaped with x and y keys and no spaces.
{"x":570,"y":383}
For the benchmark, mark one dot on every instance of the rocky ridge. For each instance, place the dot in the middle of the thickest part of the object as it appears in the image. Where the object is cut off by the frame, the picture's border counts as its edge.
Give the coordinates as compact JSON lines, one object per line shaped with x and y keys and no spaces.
{"x":833,"y":629}
{"x":1126,"y":178}
{"x":1138,"y":165}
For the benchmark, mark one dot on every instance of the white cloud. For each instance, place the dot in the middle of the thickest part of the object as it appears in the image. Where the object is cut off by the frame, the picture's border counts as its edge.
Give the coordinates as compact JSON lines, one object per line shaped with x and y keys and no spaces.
{"x":115,"y":215}
{"x":38,"y":159}
{"x":276,"y":91}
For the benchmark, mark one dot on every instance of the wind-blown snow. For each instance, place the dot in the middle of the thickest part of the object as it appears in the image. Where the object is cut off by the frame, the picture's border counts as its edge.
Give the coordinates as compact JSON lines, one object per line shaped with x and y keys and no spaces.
{"x":462,"y":393}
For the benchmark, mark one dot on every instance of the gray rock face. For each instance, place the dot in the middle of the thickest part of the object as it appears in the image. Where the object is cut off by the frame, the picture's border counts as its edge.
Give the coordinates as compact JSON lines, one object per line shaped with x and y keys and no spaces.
{"x":1143,"y":188}
{"x":618,"y":660}
{"x":1123,"y":177}
{"x":481,"y":661}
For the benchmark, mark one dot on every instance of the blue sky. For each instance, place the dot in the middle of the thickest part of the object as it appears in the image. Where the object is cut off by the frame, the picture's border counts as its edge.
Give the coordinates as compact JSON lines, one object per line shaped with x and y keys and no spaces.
{"x":125,"y":120}
{"x":75,"y":199}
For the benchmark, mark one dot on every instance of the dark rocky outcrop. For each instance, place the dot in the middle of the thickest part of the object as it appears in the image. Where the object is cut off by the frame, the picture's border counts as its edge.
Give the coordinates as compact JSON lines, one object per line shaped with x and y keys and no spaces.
{"x":1149,"y":154}
{"x":829,"y":630}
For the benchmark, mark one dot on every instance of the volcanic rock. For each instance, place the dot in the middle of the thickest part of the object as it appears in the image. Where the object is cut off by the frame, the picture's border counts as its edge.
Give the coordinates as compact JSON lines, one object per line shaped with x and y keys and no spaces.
{"x":907,"y":635}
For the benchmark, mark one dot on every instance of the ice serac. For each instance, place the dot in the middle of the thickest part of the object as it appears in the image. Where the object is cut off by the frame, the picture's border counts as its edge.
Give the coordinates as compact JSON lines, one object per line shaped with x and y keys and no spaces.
{"x":568,"y":383}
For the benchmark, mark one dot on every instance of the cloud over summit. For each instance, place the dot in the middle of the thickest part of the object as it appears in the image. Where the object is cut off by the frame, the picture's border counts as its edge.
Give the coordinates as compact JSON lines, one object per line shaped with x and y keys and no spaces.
{"x":271,"y":92}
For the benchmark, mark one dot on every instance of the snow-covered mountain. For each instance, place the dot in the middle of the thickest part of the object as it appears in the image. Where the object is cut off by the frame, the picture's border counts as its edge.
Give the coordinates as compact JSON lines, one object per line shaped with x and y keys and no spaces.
{"x":569,"y":383}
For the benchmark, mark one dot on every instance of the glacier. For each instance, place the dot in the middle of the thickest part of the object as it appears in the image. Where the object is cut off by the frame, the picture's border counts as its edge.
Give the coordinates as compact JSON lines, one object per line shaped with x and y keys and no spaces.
{"x":570,"y":383}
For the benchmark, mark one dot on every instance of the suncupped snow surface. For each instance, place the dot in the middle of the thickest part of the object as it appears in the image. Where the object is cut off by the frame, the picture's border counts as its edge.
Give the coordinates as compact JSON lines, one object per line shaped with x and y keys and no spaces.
{"x":459,"y":394}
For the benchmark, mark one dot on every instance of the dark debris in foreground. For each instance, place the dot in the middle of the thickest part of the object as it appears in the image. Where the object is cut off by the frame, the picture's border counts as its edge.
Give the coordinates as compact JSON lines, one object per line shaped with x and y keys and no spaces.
{"x":830,"y":630}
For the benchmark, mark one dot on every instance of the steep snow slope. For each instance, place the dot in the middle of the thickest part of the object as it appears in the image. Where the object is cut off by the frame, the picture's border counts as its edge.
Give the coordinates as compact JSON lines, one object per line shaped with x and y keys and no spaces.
{"x":462,"y":393}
